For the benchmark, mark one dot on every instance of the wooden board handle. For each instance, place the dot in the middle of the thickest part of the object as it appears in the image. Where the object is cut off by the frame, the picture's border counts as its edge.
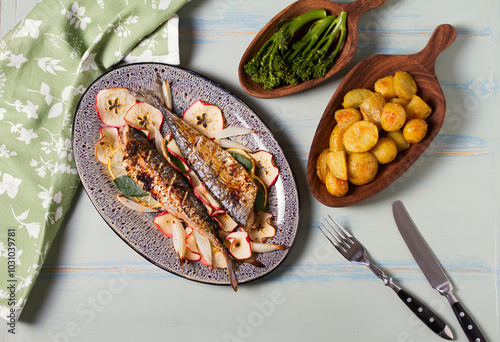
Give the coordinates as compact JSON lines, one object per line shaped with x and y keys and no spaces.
{"x":441,"y":38}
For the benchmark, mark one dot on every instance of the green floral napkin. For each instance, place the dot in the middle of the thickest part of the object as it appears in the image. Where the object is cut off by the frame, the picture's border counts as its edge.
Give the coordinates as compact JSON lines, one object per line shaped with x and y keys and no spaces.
{"x":46,"y":63}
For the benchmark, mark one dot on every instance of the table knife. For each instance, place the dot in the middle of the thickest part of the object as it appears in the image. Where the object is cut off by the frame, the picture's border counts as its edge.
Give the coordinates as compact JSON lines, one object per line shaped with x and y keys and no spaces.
{"x":432,"y":269}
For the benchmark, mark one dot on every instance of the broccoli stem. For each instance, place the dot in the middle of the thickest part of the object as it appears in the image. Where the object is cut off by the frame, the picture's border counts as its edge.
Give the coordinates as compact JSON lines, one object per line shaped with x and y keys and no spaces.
{"x":312,"y":63}
{"x":291,"y":26}
{"x":304,"y":45}
{"x":342,"y":27}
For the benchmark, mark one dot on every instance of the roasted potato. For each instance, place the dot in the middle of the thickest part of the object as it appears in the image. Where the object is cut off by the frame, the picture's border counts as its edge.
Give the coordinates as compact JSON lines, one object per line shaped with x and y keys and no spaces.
{"x":371,"y":129}
{"x":385,"y":86}
{"x":399,"y":139}
{"x":398,"y":100}
{"x":393,"y":117}
{"x":322,"y":165}
{"x":361,"y":168}
{"x":417,"y":108}
{"x":361,"y":136}
{"x":347,"y":116}
{"x":371,"y":108}
{"x":354,"y":97}
{"x":415,"y":130}
{"x":336,"y":187}
{"x":337,"y":164}
{"x":404,"y":85}
{"x":385,"y":150}
{"x":336,"y":142}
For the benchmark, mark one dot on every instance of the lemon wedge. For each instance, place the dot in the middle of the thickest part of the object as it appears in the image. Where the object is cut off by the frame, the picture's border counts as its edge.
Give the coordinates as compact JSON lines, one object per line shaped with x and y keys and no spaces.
{"x":115,"y":166}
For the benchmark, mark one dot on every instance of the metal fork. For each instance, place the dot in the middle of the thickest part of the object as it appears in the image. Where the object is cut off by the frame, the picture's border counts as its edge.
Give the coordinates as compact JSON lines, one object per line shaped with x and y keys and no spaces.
{"x":354,"y":251}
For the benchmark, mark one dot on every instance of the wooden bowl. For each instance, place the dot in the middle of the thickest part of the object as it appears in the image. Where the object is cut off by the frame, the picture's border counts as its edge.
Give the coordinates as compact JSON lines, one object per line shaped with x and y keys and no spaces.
{"x":421,"y":66}
{"x":354,"y":11}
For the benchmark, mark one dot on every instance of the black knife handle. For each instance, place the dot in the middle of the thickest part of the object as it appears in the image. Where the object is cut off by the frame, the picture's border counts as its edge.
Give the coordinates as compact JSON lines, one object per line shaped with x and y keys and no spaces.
{"x":470,"y":328}
{"x":433,"y":321}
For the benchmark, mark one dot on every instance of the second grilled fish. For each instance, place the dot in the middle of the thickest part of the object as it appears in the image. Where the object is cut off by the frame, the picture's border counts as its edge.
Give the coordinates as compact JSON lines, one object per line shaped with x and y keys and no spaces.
{"x":226,"y":179}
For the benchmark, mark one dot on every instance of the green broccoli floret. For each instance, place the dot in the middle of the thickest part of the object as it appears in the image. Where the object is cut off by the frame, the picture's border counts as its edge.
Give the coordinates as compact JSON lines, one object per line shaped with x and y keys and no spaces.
{"x":268,"y":66}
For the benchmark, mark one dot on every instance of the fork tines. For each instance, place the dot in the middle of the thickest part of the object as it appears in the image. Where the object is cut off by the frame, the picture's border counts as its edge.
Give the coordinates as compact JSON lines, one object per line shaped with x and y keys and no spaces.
{"x":333,"y":231}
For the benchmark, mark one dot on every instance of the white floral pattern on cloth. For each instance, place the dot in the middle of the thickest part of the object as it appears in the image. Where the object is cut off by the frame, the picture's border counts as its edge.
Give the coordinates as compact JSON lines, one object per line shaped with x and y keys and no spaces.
{"x":51,"y":65}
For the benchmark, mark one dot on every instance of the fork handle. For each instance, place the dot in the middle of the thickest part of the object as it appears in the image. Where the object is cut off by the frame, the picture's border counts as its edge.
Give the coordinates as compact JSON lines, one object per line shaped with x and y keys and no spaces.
{"x":426,"y":315}
{"x":429,"y":318}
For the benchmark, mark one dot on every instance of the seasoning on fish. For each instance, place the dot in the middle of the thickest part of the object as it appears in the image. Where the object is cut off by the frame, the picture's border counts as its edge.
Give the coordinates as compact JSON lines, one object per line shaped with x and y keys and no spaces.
{"x":154,"y":174}
{"x":225,"y":178}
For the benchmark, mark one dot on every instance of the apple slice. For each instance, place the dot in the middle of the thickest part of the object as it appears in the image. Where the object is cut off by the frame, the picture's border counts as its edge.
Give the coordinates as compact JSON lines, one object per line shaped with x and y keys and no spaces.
{"x":205,"y":118}
{"x":204,"y":247}
{"x":218,"y":259}
{"x":179,"y":237}
{"x":265,"y":168}
{"x":259,"y":247}
{"x":240,"y":245}
{"x":262,"y":228}
{"x":226,"y":223}
{"x":164,"y":223}
{"x":173,"y":154}
{"x":107,"y":143}
{"x":223,"y":235}
{"x":113,"y":104}
{"x":192,"y":252}
{"x":145,"y":117}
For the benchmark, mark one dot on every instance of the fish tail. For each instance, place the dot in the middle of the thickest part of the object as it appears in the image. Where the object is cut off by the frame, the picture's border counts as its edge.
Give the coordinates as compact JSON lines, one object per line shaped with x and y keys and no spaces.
{"x":232,"y":265}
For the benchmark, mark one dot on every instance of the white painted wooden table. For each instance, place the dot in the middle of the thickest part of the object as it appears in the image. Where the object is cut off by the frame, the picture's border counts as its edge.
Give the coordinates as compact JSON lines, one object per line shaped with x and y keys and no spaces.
{"x":93,"y":287}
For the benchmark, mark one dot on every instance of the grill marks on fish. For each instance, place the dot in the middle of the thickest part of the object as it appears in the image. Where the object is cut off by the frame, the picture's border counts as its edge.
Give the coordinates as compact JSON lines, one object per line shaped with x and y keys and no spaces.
{"x":225,"y":178}
{"x":154,"y":174}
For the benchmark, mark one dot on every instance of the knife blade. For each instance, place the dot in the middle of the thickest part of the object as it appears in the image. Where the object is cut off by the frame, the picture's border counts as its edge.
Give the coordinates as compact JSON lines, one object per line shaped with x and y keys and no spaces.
{"x":432,"y":269}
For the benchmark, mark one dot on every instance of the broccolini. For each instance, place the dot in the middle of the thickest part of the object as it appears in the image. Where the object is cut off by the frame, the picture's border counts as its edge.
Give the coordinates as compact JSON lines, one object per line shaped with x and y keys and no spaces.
{"x":277,"y":63}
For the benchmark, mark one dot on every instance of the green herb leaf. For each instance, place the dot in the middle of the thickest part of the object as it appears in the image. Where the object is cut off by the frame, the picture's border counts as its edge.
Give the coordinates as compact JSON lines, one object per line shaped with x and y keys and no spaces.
{"x":261,"y":196}
{"x":128,"y":187}
{"x":177,"y":162}
{"x":247,"y":164}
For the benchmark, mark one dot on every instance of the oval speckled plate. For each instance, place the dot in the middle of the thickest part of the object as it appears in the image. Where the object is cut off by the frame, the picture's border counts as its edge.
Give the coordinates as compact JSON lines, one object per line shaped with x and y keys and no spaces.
{"x":137,"y":229}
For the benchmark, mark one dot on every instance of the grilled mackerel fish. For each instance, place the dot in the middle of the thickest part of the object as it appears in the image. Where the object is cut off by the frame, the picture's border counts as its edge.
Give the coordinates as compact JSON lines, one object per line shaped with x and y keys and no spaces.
{"x":155,"y":175}
{"x":225,"y":178}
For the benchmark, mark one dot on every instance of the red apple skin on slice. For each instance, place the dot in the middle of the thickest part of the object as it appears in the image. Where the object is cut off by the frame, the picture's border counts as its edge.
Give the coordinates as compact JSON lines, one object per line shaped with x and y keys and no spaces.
{"x":205,"y":118}
{"x":240,"y":248}
{"x":107,"y":143}
{"x":145,"y":118}
{"x":163,"y":222}
{"x":266,"y":168}
{"x":112,"y":105}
